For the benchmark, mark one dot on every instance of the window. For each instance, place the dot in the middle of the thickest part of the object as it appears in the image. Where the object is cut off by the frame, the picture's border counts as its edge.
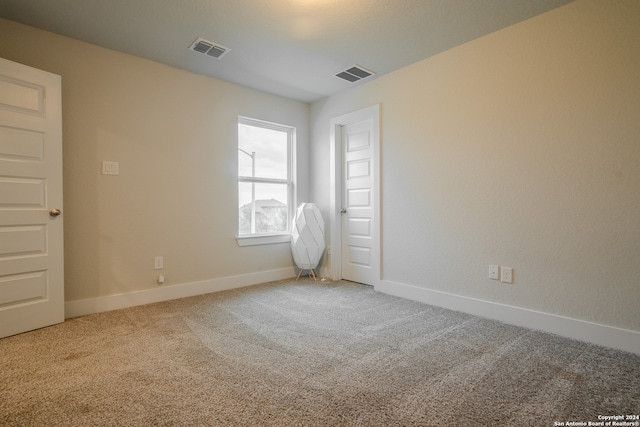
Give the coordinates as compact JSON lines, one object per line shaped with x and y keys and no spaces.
{"x":265,"y":184}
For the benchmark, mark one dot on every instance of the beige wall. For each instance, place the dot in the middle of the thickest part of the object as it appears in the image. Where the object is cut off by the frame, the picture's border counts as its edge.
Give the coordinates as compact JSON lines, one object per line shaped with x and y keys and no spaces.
{"x":520,"y":149}
{"x":174,"y":135}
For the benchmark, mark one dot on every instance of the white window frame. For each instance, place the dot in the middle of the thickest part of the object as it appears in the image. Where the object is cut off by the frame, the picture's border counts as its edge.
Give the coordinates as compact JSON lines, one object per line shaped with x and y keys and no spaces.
{"x":285,"y":236}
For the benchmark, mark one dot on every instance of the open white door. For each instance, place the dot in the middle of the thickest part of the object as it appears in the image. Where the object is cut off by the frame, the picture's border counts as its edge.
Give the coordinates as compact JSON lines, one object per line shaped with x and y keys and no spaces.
{"x":31,"y":224}
{"x":356,"y":196}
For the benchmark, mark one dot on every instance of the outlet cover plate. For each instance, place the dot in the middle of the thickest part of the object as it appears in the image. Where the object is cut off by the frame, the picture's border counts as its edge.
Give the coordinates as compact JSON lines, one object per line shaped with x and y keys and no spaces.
{"x":158,"y":263}
{"x":110,"y":168}
{"x":507,"y":274}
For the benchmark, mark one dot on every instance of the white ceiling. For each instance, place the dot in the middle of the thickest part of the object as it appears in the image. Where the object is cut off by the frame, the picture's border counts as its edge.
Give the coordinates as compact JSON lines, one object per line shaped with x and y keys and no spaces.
{"x":292,"y":48}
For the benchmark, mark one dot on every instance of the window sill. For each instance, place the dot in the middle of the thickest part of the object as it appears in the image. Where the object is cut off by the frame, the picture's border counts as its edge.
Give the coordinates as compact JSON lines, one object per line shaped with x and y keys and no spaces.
{"x":263,"y":240}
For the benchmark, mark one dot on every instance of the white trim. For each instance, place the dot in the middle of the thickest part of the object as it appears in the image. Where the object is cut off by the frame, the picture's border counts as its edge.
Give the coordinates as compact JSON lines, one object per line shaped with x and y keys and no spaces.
{"x":164,"y":293}
{"x":609,"y":336}
{"x":290,"y":181}
{"x":335,"y":186}
{"x":254,"y":240}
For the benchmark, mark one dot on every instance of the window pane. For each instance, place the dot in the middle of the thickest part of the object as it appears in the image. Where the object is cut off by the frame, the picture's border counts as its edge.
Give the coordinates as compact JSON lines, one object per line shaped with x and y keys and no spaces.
{"x":263,"y":150}
{"x":271,"y":208}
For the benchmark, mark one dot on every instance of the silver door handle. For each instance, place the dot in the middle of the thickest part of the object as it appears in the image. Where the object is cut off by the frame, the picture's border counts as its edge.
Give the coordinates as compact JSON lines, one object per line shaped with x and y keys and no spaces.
{"x":343,"y":210}
{"x":54,"y":212}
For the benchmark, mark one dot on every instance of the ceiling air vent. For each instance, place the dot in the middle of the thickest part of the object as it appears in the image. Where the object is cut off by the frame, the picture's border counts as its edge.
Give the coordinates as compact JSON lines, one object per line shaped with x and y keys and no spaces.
{"x":208,"y":48}
{"x":354,"y":74}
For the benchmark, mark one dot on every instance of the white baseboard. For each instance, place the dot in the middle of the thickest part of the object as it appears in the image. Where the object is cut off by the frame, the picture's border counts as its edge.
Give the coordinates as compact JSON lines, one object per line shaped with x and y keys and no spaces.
{"x":164,"y":293}
{"x":608,"y":336}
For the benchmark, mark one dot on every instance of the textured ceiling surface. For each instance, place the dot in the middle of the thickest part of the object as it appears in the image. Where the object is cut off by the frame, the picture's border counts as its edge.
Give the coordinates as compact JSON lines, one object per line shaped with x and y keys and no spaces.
{"x":291,"y":48}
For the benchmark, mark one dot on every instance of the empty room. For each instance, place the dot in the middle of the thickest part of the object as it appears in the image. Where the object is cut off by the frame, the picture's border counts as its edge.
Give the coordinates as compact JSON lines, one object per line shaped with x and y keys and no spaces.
{"x":320,"y":212}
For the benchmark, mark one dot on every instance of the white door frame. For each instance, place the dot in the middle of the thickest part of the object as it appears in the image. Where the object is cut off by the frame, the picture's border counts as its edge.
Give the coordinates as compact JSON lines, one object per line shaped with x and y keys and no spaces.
{"x":335,"y":195}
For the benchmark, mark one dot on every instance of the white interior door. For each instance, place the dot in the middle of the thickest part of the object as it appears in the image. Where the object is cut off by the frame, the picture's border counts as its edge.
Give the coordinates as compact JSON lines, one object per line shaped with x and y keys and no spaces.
{"x":31,"y":226}
{"x":357,"y":196}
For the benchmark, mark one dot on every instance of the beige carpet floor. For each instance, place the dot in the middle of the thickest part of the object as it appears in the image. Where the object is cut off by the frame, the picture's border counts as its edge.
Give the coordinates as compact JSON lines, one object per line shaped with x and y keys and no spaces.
{"x":306,"y":354}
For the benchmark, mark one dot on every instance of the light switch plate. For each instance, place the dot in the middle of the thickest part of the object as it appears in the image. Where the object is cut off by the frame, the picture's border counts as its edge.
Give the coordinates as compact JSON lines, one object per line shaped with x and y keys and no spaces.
{"x":494,"y":272}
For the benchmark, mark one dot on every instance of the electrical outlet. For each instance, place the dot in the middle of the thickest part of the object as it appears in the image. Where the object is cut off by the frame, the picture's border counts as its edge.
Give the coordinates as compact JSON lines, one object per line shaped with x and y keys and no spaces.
{"x":158,"y":263}
{"x":507,"y":274}
{"x":110,"y":168}
{"x":494,"y":272}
